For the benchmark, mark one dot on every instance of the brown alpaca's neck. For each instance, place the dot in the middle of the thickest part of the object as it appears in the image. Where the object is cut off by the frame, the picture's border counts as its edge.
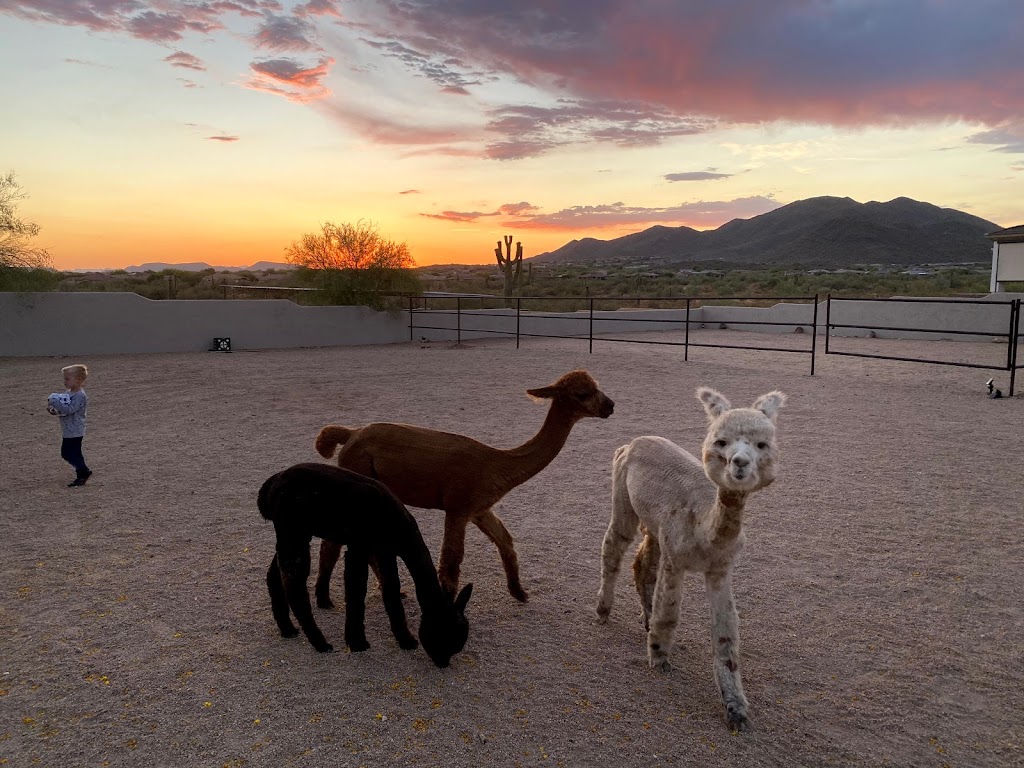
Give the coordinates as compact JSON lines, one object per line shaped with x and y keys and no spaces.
{"x":531,"y":457}
{"x":728,"y":516}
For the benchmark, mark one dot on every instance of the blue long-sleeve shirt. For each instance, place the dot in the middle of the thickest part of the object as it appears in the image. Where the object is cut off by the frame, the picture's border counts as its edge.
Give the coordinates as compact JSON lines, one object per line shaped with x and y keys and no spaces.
{"x":72,"y":416}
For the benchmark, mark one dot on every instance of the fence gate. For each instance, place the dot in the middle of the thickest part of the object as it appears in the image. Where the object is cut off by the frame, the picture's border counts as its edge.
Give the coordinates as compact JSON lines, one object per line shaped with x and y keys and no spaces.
{"x":1010,"y":331}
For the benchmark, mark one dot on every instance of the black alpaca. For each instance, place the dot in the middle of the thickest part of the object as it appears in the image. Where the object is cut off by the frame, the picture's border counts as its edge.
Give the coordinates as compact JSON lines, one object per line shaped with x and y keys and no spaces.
{"x":321,"y":500}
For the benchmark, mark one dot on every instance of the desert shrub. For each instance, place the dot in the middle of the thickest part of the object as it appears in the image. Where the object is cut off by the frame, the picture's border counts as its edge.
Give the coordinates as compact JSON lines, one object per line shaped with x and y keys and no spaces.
{"x":28,"y":279}
{"x":374,"y":287}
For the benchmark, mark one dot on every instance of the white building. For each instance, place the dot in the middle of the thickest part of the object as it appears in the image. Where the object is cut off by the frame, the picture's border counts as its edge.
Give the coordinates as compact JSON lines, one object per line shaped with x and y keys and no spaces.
{"x":1007,"y":256}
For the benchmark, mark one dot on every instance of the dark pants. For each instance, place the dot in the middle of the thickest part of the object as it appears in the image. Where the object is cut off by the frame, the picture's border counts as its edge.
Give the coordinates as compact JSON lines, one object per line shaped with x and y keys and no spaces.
{"x":71,"y":452}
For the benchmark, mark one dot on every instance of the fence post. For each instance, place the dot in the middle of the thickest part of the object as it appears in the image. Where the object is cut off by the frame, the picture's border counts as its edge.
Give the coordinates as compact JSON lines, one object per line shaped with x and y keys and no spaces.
{"x":1015,"y":345}
{"x":519,"y":305}
{"x":591,"y":326}
{"x":828,"y":320}
{"x":686,"y":342}
{"x":458,"y":319}
{"x":410,"y":317}
{"x":814,"y":334}
{"x":1011,"y":344}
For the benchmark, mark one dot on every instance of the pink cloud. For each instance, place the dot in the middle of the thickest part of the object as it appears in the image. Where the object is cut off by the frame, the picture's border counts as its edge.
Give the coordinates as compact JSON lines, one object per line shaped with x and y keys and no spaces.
{"x":1007,"y":136}
{"x":457,"y":216}
{"x":291,"y":72}
{"x":169,"y":27}
{"x":225,"y":139}
{"x":840,"y":63}
{"x":289,"y":78}
{"x":516,"y":209}
{"x":185,"y":60}
{"x":319,"y":8}
{"x":701,"y":214}
{"x":285,"y":33}
{"x":708,"y":175}
{"x":384,"y":129}
{"x":508,"y":209}
{"x":159,"y":21}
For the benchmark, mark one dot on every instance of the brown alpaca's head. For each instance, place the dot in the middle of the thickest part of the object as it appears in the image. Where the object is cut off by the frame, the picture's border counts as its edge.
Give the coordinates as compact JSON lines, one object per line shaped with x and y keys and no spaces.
{"x":739,"y":451}
{"x":578,"y":392}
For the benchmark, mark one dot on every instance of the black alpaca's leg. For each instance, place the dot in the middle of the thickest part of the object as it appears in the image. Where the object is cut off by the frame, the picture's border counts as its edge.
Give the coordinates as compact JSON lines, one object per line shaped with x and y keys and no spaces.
{"x":293,"y":560}
{"x":386,"y":569}
{"x":376,"y":573}
{"x":357,"y":572}
{"x":279,"y":601}
{"x":330,"y":551}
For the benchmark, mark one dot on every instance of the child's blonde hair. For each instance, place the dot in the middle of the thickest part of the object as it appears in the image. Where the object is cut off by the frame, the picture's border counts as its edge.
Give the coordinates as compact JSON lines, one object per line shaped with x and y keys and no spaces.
{"x":77,"y":370}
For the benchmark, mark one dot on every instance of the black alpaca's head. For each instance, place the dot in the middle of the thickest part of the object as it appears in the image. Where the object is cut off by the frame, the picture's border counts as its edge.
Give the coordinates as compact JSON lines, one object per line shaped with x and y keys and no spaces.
{"x":443,"y":632}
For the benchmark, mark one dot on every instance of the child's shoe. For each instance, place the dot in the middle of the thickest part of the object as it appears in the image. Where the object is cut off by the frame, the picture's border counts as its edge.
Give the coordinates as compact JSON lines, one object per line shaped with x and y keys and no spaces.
{"x":80,"y":480}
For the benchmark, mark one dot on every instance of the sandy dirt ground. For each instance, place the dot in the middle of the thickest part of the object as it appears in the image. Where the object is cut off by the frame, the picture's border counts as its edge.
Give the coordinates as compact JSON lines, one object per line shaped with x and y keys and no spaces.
{"x":880,"y":591}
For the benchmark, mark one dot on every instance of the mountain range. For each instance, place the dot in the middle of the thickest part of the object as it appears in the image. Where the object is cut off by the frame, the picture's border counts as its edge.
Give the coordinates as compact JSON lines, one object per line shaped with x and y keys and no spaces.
{"x":199,"y":266}
{"x":825,"y":232}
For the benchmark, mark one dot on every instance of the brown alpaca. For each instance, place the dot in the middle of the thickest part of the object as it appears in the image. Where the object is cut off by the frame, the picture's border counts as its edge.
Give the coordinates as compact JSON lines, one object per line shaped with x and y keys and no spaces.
{"x":459,"y":475}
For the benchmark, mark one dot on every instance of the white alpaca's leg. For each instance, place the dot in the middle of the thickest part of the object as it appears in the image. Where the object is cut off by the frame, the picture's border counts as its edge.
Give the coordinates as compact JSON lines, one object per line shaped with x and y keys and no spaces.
{"x":725,"y":639}
{"x":664,"y":614}
{"x":620,"y":533}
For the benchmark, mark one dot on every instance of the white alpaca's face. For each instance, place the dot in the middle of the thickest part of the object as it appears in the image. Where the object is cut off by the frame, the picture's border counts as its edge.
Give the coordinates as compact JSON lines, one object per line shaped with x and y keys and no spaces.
{"x":740,"y":453}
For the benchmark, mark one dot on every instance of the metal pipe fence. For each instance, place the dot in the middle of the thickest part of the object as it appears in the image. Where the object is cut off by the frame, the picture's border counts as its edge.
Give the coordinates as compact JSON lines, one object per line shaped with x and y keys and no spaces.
{"x":1011,"y":334}
{"x":594,"y":333}
{"x":586,"y":314}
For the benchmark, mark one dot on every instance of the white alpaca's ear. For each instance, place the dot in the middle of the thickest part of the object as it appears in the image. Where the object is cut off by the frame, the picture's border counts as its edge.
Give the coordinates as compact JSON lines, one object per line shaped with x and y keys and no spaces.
{"x":714,"y":402}
{"x":770,"y":403}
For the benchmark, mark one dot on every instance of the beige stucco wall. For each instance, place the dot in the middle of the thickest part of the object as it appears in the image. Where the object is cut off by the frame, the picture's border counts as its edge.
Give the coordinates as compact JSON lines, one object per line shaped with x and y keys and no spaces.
{"x":34,"y":324}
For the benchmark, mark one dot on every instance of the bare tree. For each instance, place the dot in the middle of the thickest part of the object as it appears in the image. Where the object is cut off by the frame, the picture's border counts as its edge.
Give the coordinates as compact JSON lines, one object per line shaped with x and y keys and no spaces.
{"x":349,"y":246}
{"x":15,"y":248}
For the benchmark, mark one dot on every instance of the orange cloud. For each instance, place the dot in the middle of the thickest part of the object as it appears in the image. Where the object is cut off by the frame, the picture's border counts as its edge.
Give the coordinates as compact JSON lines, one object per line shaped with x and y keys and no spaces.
{"x":288,"y":78}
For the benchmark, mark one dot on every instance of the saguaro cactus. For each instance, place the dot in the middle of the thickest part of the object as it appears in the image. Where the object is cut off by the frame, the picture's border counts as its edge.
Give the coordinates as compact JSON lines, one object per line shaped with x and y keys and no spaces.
{"x":511,"y":266}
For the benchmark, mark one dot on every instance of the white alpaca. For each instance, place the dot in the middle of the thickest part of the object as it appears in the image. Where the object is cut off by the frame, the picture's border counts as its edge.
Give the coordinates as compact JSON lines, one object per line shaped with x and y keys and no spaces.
{"x":691,"y":524}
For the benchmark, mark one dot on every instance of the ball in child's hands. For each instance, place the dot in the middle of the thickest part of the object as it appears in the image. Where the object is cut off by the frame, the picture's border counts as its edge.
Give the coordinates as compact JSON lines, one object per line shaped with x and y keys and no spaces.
{"x":57,"y":398}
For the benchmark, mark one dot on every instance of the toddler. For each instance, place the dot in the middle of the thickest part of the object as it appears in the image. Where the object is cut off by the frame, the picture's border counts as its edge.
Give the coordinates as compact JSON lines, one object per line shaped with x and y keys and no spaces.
{"x":70,"y":407}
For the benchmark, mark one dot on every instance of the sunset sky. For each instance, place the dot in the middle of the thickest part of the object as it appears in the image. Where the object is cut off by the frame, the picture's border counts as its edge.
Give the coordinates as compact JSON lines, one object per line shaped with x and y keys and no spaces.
{"x":222,"y":130}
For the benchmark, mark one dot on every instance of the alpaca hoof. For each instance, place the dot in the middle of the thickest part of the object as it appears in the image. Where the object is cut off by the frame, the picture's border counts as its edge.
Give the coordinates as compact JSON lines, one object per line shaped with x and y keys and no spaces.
{"x":408,"y":643}
{"x":518,"y":593}
{"x":736,"y":719}
{"x":325,"y":648}
{"x":603,"y":611}
{"x":324,"y":601}
{"x":358,"y":646}
{"x":289,"y":632}
{"x":661,"y":665}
